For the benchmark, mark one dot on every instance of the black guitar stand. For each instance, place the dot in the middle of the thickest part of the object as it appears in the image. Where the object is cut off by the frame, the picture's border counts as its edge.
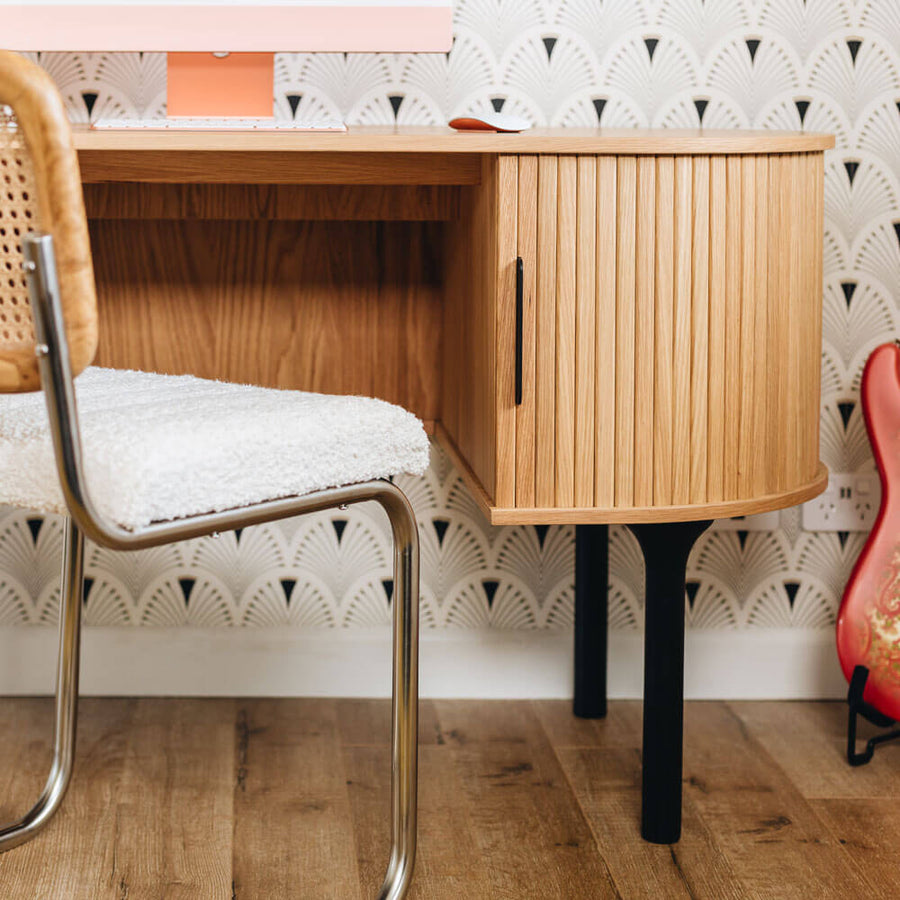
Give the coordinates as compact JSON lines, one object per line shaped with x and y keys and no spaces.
{"x":858,"y":707}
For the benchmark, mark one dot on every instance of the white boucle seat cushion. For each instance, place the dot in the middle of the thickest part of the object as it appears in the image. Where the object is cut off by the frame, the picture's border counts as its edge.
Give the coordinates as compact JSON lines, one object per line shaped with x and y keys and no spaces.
{"x":161,"y":447}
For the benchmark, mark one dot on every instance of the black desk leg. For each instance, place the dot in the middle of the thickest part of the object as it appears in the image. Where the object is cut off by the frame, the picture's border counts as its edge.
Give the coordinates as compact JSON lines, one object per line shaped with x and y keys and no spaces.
{"x":666,"y":547}
{"x":591,"y":612}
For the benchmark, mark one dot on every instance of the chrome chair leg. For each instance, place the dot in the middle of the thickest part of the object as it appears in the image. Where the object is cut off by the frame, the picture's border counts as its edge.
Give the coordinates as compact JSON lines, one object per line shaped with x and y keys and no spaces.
{"x":405,"y":718}
{"x":66,"y":695}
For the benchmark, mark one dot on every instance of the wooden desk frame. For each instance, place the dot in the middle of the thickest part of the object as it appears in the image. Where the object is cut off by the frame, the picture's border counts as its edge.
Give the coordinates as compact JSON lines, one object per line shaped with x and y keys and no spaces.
{"x":667,"y":338}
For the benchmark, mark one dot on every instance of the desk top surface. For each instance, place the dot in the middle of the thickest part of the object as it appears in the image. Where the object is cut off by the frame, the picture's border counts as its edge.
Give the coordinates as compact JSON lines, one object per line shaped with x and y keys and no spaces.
{"x":385,"y":139}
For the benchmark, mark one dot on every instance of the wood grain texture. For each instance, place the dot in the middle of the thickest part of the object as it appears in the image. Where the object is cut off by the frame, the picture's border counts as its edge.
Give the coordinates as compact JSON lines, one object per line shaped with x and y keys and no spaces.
{"x":734,"y":260}
{"x":645,"y":355}
{"x":278,"y":798}
{"x":504,"y":326}
{"x":664,"y":343}
{"x":290,"y":202}
{"x":289,"y":769}
{"x":702,"y":271}
{"x":585,"y":331}
{"x":659,"y":292}
{"x":749,"y":371}
{"x":626,"y":241}
{"x":545,"y":349}
{"x":519,"y":798}
{"x":700,"y":374}
{"x":681,"y":357}
{"x":685,"y":513}
{"x":270,"y":303}
{"x":527,"y":243}
{"x":605,"y":381}
{"x":366,"y":140}
{"x":566,"y":351}
{"x":165,"y":166}
{"x":177,"y":758}
{"x":469,"y":335}
{"x":718,"y":323}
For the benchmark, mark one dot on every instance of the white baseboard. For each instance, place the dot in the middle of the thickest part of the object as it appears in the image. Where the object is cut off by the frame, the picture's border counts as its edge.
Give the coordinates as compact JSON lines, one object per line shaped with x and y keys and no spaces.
{"x":751,"y":664}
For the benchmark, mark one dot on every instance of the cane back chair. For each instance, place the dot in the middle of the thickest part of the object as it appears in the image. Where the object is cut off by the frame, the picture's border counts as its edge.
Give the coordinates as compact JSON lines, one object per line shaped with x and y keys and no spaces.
{"x":48,"y":335}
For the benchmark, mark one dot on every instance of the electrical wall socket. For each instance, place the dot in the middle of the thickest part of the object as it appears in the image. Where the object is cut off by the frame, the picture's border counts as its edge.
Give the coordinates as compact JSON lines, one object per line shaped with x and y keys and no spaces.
{"x":850,"y":503}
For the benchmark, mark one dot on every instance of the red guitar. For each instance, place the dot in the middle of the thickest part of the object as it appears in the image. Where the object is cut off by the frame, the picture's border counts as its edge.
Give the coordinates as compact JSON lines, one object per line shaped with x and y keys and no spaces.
{"x":868,"y":626}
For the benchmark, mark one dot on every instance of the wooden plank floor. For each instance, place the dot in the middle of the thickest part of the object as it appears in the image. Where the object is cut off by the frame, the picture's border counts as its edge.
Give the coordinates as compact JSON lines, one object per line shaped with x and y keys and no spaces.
{"x":278,"y":799}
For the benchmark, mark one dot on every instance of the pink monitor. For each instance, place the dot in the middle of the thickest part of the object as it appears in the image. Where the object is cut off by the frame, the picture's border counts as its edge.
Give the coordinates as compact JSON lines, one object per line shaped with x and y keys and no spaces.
{"x":191,"y":31}
{"x":350,"y":26}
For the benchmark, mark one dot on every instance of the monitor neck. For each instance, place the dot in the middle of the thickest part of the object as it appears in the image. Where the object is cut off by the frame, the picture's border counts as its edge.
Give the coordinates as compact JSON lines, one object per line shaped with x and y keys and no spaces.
{"x":218,"y":85}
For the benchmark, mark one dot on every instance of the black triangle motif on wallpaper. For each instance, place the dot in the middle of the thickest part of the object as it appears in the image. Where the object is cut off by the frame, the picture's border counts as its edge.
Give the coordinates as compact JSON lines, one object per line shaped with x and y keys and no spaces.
{"x":846,"y":407}
{"x":288,"y":585}
{"x":691,"y":588}
{"x":187,"y":587}
{"x":849,"y":289}
{"x":34,"y":526}
{"x":791,"y":587}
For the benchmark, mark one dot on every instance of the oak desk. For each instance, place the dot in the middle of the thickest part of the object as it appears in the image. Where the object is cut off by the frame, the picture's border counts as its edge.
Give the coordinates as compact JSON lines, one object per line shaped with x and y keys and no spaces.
{"x":602,"y":326}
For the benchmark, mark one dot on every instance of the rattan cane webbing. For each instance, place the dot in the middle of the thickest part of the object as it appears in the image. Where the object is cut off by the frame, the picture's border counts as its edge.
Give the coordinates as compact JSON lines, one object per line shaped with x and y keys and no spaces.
{"x":40,"y":190}
{"x":18,"y":215}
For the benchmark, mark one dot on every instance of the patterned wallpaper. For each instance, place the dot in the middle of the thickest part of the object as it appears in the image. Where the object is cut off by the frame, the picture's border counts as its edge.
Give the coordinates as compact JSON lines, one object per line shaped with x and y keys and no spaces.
{"x":828,"y":65}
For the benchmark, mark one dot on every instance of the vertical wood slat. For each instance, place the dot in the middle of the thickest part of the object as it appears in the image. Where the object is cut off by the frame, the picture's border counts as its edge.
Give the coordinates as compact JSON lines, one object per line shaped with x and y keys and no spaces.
{"x":805,"y":318}
{"x":645,"y":315}
{"x":625,"y":328}
{"x":733,"y":262}
{"x":817,"y":163}
{"x":527,"y":249}
{"x":585,"y":330}
{"x":798,"y":223}
{"x":681,"y":406}
{"x":778,"y":287}
{"x":605,"y":416}
{"x":566,"y":205}
{"x":664,"y":342}
{"x":759,"y":459}
{"x":749,"y":369}
{"x":700,"y":330}
{"x":717,"y":415}
{"x":505,"y":329}
{"x":545,"y":349}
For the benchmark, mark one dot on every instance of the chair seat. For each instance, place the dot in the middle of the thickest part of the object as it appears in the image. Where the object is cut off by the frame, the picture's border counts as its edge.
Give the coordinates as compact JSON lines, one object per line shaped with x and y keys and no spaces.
{"x":162,"y":447}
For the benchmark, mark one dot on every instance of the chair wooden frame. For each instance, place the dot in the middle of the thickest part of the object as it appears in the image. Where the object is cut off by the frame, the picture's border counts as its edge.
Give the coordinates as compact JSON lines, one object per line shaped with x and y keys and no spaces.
{"x":63,"y":311}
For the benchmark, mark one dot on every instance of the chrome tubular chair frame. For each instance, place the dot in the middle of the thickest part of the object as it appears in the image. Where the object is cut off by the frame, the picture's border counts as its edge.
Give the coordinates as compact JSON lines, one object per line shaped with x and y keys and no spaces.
{"x":56,"y":379}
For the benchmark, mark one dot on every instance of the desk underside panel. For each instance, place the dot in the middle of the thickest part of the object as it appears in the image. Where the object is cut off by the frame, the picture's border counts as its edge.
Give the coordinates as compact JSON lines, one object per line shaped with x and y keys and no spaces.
{"x":338,"y":307}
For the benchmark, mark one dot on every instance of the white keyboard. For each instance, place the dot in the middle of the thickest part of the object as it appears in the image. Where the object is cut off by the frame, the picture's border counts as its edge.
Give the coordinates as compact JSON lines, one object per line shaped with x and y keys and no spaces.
{"x":224,"y":124}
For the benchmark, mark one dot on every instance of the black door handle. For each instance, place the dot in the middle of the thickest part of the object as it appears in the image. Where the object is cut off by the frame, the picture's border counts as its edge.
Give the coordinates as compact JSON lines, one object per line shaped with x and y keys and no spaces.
{"x":520,"y":313}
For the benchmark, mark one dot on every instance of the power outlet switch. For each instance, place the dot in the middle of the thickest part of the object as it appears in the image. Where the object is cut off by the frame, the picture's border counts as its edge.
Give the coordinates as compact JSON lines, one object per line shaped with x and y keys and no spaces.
{"x":850,"y":503}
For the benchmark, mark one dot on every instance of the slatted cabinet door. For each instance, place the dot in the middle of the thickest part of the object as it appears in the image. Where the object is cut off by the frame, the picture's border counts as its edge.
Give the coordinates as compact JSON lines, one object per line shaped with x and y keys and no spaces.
{"x":663,"y":329}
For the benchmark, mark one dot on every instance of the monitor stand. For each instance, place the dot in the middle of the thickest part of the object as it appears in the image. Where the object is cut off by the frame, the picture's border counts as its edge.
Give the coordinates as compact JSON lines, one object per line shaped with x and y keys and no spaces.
{"x":220,"y":85}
